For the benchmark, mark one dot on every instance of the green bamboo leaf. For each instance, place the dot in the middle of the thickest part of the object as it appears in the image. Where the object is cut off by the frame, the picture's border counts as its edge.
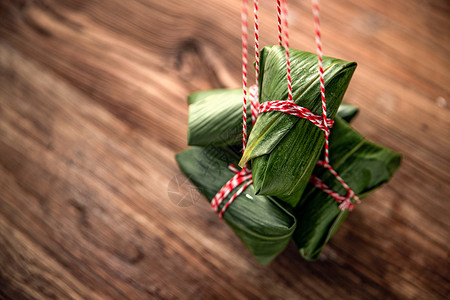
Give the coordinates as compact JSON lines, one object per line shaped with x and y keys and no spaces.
{"x":263,"y":225}
{"x":215,"y":117}
{"x":318,"y":214}
{"x":347,"y":112}
{"x":202,"y":95}
{"x":363,"y":165}
{"x":284,"y":149}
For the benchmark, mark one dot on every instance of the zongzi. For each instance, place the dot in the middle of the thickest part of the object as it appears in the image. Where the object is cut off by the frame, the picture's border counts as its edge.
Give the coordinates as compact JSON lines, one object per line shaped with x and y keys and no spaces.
{"x":363,"y":165}
{"x":264,"y":225}
{"x":283,"y":149}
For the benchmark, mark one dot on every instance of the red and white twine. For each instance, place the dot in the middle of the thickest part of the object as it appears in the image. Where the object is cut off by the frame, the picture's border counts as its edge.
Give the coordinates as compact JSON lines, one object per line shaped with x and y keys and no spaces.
{"x":245,"y":175}
{"x":256,"y":29}
{"x":244,"y":16}
{"x":344,"y":204}
{"x":289,"y":107}
{"x":284,"y":16}
{"x":280,"y":39}
{"x":253,"y":91}
{"x":254,"y":101}
{"x":286,"y":106}
{"x":347,"y":202}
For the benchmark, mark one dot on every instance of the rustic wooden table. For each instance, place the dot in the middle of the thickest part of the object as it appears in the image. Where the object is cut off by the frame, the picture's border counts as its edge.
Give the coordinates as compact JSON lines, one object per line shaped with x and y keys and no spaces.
{"x":93,"y":109}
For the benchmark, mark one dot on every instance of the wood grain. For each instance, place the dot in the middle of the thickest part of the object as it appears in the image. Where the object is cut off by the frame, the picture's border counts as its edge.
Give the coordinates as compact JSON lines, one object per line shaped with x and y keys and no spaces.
{"x":93,"y":109}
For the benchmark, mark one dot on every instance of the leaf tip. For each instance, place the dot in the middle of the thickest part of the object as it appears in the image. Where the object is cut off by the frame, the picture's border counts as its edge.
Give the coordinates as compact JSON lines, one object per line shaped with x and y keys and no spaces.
{"x":243,"y":161}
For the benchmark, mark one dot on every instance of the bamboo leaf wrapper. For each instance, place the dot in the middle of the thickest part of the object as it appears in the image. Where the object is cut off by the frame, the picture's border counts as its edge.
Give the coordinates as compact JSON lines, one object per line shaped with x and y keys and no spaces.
{"x":284,"y":149}
{"x":318,"y":214}
{"x":263,"y":225}
{"x":215,"y":117}
{"x":362,"y":164}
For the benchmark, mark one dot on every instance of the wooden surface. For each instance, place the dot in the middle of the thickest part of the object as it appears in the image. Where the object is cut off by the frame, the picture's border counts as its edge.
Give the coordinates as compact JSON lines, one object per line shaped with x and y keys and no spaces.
{"x":93,"y":109}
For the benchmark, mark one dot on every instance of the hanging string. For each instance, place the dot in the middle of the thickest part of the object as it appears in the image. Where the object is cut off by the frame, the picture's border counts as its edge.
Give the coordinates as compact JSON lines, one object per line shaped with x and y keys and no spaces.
{"x":286,"y":47}
{"x":245,"y":175}
{"x":244,"y":16}
{"x":253,"y":91}
{"x":315,"y":7}
{"x":288,"y":106}
{"x":256,"y":28}
{"x":280,"y":39}
{"x":347,"y":203}
{"x":323,"y":122}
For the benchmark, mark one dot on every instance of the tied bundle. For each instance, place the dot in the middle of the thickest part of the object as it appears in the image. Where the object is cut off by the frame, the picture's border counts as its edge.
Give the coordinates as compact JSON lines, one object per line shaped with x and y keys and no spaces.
{"x":304,"y":166}
{"x":283,"y":148}
{"x":265,"y":224}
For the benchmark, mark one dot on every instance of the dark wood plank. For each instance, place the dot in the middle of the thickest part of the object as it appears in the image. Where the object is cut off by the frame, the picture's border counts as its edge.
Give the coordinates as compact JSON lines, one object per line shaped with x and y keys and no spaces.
{"x":93,"y":109}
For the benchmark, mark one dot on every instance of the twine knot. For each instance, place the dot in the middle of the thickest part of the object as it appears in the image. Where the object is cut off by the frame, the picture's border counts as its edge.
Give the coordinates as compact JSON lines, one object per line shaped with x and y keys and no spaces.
{"x":242,"y":176}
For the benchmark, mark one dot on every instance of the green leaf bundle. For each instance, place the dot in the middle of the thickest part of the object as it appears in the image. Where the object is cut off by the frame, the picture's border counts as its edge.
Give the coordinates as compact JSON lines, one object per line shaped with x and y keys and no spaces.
{"x":362,"y":164}
{"x":284,"y":149}
{"x":264,"y":225}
